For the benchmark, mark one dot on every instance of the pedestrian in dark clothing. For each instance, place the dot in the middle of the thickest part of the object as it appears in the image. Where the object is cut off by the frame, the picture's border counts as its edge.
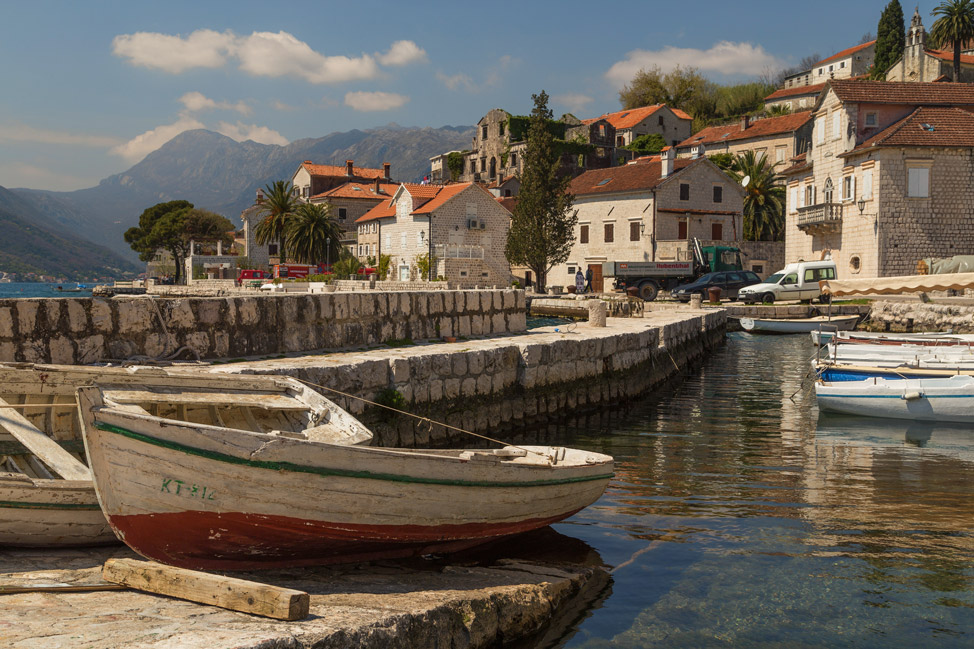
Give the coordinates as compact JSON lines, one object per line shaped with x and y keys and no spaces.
{"x":588,"y":280}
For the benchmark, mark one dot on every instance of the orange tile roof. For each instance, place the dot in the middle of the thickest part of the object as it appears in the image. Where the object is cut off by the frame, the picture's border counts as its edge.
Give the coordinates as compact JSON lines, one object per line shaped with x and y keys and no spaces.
{"x":335,"y":170}
{"x":383,"y":210}
{"x":445,"y":193}
{"x":893,"y":92}
{"x":508,"y":202}
{"x":799,"y":163}
{"x":846,"y":52}
{"x":944,"y":55}
{"x":629,"y":118}
{"x":758,"y":128}
{"x":679,"y":113}
{"x":627,"y":178}
{"x":926,"y":126}
{"x":423,"y":191}
{"x":360,"y":190}
{"x":796,"y":91}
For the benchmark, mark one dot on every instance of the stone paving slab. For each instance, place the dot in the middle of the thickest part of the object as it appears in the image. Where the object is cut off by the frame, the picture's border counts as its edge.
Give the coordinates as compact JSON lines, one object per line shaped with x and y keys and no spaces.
{"x":393,"y":604}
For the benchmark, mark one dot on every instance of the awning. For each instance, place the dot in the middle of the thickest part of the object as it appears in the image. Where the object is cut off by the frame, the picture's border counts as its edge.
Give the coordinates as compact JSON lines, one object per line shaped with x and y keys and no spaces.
{"x":893,"y":285}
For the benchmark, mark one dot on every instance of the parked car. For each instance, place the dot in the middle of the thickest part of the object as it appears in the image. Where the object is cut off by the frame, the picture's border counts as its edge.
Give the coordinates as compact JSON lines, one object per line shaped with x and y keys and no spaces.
{"x":797,"y":281}
{"x":729,"y":283}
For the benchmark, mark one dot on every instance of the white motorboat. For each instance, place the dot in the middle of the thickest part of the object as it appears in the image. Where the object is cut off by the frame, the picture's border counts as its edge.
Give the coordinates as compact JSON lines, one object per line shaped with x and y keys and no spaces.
{"x":935,"y":399}
{"x":799,"y":325}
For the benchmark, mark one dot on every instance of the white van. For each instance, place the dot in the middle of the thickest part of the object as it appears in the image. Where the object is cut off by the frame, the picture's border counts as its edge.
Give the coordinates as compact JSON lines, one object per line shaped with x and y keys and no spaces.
{"x":797,"y":281}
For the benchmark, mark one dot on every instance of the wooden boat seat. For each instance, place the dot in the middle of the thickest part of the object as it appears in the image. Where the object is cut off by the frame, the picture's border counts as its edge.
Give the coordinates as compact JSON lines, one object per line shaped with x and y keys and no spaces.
{"x":265,"y":400}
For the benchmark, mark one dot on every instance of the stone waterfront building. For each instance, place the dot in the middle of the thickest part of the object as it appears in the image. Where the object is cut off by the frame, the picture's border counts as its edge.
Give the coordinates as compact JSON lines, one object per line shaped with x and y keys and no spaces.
{"x":349,"y":202}
{"x":462,"y":224}
{"x":778,"y":138}
{"x":672,"y":124}
{"x":920,"y":64}
{"x":649,"y":210}
{"x":889,"y":178}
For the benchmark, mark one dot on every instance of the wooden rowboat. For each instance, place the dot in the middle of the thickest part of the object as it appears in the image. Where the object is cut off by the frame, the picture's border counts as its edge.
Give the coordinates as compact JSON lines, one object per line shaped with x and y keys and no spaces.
{"x":214,"y":498}
{"x":47,"y":497}
{"x":798,"y":325}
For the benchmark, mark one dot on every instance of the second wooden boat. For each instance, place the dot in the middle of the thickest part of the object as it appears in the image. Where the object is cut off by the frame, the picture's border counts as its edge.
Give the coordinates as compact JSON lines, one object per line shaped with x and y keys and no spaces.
{"x":799,"y":325}
{"x":47,"y":497}
{"x":215,"y":498}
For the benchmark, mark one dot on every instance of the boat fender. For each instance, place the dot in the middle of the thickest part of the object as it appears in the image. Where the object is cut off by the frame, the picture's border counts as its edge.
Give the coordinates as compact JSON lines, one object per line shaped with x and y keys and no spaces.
{"x":912,"y":396}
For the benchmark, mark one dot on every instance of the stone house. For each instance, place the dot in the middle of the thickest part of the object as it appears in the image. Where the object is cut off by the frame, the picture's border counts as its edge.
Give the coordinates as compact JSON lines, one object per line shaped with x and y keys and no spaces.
{"x":650,"y":210}
{"x":796,"y":98}
{"x":920,"y":64}
{"x":439,"y":170}
{"x":888,"y":179}
{"x":671,"y":123}
{"x":778,"y":138}
{"x":350,"y":201}
{"x":462,"y":224}
{"x":311,"y":179}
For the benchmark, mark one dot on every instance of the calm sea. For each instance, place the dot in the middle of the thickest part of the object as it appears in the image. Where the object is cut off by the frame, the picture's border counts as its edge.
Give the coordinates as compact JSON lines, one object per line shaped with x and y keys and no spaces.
{"x":739,"y":518}
{"x":38,"y":289}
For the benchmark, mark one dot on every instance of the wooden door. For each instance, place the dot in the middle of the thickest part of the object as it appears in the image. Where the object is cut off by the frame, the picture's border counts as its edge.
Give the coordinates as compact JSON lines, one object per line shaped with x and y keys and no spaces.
{"x":597,"y":284}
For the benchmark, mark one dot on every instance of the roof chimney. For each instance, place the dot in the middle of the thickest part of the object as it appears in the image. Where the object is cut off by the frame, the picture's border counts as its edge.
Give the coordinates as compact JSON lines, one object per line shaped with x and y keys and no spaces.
{"x":308,"y":162}
{"x":745,"y":122}
{"x":666,"y":161}
{"x":386,"y":170}
{"x":376,"y":188}
{"x":348,"y":168}
{"x":260,"y":196}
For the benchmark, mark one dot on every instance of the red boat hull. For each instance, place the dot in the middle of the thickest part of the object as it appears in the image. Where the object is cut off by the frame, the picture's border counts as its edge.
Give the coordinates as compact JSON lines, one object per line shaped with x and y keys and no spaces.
{"x":234,"y":541}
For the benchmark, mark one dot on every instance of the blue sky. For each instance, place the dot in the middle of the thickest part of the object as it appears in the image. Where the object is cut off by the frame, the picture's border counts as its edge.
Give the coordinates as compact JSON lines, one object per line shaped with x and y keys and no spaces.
{"x":90,"y":88}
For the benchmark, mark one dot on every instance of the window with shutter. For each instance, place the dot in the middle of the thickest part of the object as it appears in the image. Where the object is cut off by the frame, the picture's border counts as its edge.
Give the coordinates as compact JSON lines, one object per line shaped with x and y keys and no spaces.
{"x":836,"y":126}
{"x":918,"y":180}
{"x":718,"y":194}
{"x":634,"y":230}
{"x":583,"y":234}
{"x":684,"y":192}
{"x":867,"y":184}
{"x":609,"y":232}
{"x":820,"y":131}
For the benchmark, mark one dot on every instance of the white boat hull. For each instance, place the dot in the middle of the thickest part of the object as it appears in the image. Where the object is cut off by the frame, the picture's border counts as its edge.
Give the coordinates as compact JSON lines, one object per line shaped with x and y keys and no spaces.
{"x":946,"y":400}
{"x":798,"y":325}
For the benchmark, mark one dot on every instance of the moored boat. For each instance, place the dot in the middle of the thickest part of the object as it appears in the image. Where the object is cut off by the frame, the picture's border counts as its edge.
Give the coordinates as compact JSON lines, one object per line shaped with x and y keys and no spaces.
{"x":932,"y":339}
{"x":799,"y":325}
{"x":47,"y":497}
{"x":936,"y":399}
{"x":215,"y":498}
{"x":835,"y":372}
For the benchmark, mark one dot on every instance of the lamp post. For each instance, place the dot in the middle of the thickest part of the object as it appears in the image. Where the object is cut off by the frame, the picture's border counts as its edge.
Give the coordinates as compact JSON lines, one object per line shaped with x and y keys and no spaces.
{"x":328,"y":253}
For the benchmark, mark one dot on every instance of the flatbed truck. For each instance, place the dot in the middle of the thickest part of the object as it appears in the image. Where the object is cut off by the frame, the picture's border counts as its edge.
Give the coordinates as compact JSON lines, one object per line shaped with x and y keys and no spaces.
{"x":650,"y":277}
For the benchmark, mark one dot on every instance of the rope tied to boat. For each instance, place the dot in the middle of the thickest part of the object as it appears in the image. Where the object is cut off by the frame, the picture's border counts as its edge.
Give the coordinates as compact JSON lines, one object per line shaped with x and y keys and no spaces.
{"x":551,"y":458}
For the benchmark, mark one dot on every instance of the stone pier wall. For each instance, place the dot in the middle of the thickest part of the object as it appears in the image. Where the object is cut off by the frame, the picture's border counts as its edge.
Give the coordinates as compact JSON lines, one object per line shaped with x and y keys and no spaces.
{"x":920,"y":316}
{"x":489,"y":386}
{"x":88,"y":330}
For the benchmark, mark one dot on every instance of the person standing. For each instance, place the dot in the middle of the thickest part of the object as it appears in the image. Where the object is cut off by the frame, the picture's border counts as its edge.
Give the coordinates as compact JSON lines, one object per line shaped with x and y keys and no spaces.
{"x":588,"y":280}
{"x":579,"y":282}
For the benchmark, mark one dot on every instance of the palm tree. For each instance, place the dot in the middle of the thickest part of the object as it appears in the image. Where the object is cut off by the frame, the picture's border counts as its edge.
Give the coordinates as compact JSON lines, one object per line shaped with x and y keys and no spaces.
{"x":309,"y":233}
{"x":764,"y":197}
{"x":954,"y":28}
{"x":277,"y":208}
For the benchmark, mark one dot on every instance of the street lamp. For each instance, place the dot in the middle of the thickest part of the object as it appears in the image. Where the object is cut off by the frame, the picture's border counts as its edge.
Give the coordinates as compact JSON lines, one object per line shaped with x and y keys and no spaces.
{"x":328,"y":253}
{"x":861,"y":204}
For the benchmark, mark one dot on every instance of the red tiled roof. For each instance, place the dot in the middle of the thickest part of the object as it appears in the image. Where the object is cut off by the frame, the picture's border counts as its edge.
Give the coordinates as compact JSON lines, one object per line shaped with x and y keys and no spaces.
{"x":758,"y":128}
{"x":796,"y":91}
{"x":944,"y":55}
{"x":846,"y":52}
{"x":679,"y":113}
{"x":892,"y":92}
{"x":383,"y":210}
{"x":627,"y":178}
{"x":423,"y":191}
{"x":926,"y":126}
{"x":360,"y":190}
{"x":335,"y":170}
{"x":800,"y":163}
{"x":629,"y":118}
{"x":507,"y":202}
{"x":443,"y":194}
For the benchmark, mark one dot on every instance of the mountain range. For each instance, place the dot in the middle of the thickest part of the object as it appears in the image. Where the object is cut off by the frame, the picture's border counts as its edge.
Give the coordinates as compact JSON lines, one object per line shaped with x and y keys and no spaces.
{"x":210,"y":170}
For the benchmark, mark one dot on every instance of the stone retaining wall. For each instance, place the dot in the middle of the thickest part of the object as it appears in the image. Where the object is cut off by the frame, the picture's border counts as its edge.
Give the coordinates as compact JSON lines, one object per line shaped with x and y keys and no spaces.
{"x":504,"y":383}
{"x":88,"y":330}
{"x":920,"y":316}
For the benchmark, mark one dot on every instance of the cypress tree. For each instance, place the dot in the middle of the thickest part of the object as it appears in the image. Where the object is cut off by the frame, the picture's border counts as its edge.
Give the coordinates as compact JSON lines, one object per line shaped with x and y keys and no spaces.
{"x":890,"y":39}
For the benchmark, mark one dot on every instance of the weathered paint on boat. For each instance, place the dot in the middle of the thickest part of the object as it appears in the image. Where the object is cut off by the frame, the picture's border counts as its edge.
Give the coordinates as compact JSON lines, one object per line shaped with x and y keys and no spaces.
{"x":207,"y":497}
{"x":941,"y":399}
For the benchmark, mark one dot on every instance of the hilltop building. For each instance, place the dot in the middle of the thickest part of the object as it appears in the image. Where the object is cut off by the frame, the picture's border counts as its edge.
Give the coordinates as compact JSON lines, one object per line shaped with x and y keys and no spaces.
{"x":920,"y":64}
{"x":778,"y":138}
{"x":887,"y":179}
{"x":672,"y":124}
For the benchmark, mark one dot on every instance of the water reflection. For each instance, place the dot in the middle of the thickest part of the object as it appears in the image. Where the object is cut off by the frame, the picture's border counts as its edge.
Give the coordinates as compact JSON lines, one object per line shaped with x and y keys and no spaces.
{"x":739,"y":518}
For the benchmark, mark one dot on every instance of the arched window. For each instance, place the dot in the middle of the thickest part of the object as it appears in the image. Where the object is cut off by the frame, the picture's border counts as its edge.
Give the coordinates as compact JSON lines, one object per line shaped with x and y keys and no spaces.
{"x":828,"y":190}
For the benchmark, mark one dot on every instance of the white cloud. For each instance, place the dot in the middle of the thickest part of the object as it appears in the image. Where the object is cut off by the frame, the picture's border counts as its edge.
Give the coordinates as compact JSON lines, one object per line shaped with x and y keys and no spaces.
{"x":22,"y":133}
{"x":403,"y":53}
{"x":372,"y":101}
{"x":197,"y":101}
{"x":204,"y":48}
{"x":142,"y":145}
{"x":265,"y":54}
{"x":456,"y":81}
{"x":724,"y":57}
{"x":573,"y":101}
{"x":242,"y":132}
{"x":281,"y":54}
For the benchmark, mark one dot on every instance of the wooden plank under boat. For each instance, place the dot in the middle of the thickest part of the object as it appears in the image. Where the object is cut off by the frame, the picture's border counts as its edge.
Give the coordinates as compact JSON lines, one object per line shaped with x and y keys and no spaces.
{"x":935,"y":399}
{"x":799,"y":325}
{"x":47,"y":497}
{"x":215,"y":498}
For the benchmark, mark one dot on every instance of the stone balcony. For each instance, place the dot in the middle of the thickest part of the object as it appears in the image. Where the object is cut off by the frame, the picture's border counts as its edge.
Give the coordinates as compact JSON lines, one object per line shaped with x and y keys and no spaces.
{"x":823,"y":218}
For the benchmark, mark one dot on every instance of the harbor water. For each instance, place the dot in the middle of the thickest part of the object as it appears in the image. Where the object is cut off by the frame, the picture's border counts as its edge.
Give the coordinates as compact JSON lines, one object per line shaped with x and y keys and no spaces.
{"x":739,"y":518}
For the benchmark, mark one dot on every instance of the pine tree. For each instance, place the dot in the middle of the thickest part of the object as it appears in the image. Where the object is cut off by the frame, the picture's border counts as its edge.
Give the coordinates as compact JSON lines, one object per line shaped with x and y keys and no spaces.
{"x":890,"y":39}
{"x":543,"y":228}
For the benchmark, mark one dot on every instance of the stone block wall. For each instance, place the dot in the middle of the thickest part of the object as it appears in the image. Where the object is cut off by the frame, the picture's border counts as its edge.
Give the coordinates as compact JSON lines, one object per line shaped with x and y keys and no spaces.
{"x":919,"y":316}
{"x":88,"y":330}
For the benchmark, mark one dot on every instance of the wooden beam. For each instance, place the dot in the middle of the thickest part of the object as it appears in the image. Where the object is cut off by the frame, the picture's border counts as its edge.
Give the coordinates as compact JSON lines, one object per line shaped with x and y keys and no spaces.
{"x":45,"y":448}
{"x":205,"y":588}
